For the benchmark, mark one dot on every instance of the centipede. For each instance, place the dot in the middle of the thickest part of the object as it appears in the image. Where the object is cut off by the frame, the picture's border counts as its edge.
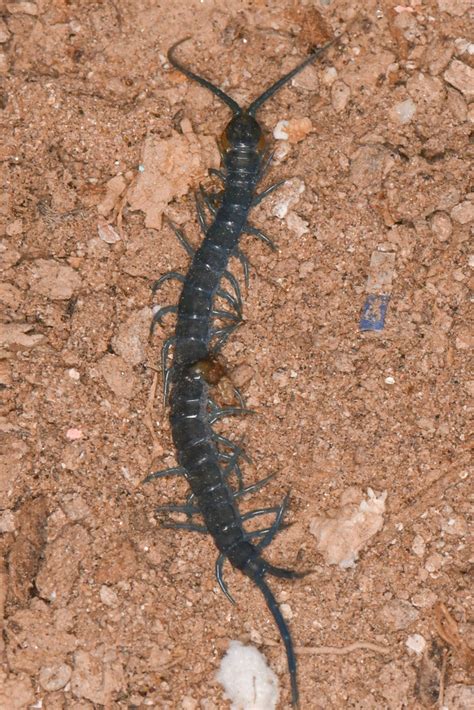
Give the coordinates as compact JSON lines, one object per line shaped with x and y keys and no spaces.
{"x":211,"y":463}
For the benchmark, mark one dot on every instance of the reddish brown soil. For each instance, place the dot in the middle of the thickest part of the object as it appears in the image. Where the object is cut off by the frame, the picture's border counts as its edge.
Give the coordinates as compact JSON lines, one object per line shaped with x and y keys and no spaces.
{"x":102,"y":606}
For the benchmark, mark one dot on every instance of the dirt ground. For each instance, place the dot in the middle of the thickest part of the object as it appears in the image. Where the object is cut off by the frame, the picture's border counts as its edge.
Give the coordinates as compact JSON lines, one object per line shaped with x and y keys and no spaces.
{"x":102,"y":606}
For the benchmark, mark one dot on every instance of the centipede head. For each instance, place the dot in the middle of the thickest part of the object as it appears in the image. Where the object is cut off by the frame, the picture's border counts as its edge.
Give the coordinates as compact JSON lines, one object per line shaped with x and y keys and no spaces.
{"x":243,"y":132}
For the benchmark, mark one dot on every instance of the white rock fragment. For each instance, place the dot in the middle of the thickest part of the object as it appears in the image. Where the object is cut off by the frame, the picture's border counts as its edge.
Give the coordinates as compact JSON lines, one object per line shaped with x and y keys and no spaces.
{"x":22,"y":7}
{"x":343,"y":533}
{"x":397,"y":614}
{"x":279,"y":132}
{"x":403,"y":112}
{"x":307,"y":79}
{"x":54,"y":677}
{"x":297,"y":224}
{"x":441,"y":226}
{"x":329,"y":75}
{"x":288,"y":195}
{"x":464,"y":212}
{"x":418,"y":546}
{"x":54,"y":279}
{"x":247,"y":680}
{"x":461,"y":76}
{"x":108,"y":596}
{"x":416,"y":643}
{"x":381,"y":272}
{"x":18,"y":335}
{"x":340,"y":95}
{"x":107,"y":233}
{"x":4,"y":32}
{"x":131,"y":340}
{"x":459,"y":696}
{"x":457,"y":8}
{"x":463,"y":45}
{"x":7,"y":521}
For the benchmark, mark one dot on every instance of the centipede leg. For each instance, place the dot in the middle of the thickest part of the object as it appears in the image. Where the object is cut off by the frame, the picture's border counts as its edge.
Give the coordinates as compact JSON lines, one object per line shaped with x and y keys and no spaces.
{"x":245,"y":266}
{"x":254,"y":488}
{"x":248,"y":229}
{"x":211,"y":199}
{"x":186,"y":526}
{"x":221,"y":334}
{"x":219,"y":575}
{"x":235,"y":285}
{"x":166,"y":370}
{"x":201,"y":214}
{"x":262,"y":195}
{"x":276,"y":525}
{"x":185,"y":508}
{"x":183,"y":240}
{"x":218,"y":438}
{"x":158,"y":316}
{"x":173,"y":471}
{"x":228,"y":412}
{"x":230,"y":300}
{"x":167,"y":277}
{"x":218,"y":173}
{"x":219,"y":313}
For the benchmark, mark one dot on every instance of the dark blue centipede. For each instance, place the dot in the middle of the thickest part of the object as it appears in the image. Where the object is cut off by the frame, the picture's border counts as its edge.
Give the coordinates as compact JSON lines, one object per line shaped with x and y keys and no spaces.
{"x":206,"y":459}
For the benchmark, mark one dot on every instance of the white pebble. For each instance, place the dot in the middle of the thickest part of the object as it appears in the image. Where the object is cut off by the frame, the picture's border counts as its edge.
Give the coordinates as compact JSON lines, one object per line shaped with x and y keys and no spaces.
{"x":340,"y":95}
{"x":279,"y":132}
{"x":108,"y":596}
{"x":54,"y":677}
{"x":416,"y":643}
{"x":329,"y":75}
{"x":389,"y":380}
{"x":404,"y":111}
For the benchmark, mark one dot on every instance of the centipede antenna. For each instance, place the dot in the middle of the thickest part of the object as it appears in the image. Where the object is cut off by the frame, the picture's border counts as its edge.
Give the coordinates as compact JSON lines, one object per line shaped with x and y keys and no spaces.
{"x":255,"y":105}
{"x":233,"y":105}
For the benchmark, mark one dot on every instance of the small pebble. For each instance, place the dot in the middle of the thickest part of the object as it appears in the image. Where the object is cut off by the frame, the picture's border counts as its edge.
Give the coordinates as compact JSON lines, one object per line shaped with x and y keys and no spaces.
{"x":434,"y":562}
{"x":455,"y":525}
{"x":329,"y":75}
{"x":15,"y":228}
{"x":7,"y":521}
{"x":418,"y":546}
{"x":340,"y":95}
{"x":424,"y":599}
{"x":280,"y":131}
{"x":398,"y":614}
{"x":461,"y":76}
{"x":22,"y":8}
{"x":4,"y":32}
{"x":403,"y":112}
{"x":464,"y":212}
{"x":108,"y":234}
{"x":74,"y":434}
{"x":297,"y":224}
{"x":54,"y":677}
{"x":108,"y":596}
{"x":441,"y":226}
{"x":456,"y":8}
{"x":416,"y":643}
{"x":389,"y":380}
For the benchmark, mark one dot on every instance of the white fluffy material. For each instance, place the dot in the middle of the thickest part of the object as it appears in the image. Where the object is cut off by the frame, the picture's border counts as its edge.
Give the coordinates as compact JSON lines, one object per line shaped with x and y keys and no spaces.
{"x":247,"y":680}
